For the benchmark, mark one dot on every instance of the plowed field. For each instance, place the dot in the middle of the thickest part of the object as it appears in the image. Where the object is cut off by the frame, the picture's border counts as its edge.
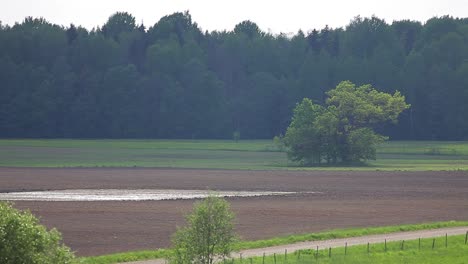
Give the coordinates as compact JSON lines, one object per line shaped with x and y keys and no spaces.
{"x":342,"y":199}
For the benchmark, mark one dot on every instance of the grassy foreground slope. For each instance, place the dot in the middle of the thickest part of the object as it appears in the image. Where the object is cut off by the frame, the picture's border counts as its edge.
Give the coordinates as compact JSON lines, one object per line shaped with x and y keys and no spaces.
{"x":215,"y":154}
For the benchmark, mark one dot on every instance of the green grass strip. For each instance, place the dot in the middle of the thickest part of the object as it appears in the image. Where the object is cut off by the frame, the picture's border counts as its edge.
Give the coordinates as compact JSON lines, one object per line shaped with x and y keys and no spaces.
{"x":219,"y":154}
{"x":331,"y":234}
{"x":424,"y":251}
{"x":126,"y":256}
{"x":344,"y":233}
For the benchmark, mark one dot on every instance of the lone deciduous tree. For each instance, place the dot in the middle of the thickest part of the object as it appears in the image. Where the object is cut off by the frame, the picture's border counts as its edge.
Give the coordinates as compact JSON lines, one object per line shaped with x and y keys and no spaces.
{"x":341,"y":131}
{"x":209,"y":233}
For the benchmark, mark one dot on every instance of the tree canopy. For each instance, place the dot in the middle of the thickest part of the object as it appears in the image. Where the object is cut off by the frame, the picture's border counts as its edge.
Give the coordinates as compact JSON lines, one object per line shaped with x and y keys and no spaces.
{"x":341,"y":131}
{"x":209,"y":233}
{"x":173,"y":80}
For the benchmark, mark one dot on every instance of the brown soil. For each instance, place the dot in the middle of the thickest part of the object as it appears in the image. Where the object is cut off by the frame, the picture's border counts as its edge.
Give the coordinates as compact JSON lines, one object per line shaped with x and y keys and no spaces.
{"x":349,"y":199}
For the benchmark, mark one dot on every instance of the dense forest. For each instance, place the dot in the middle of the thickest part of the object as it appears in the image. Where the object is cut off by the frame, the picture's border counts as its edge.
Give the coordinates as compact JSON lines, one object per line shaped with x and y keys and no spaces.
{"x":172,"y":80}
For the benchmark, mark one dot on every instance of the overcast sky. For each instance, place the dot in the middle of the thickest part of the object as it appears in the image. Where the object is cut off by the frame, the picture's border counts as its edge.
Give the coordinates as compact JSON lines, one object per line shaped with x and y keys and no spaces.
{"x":275,"y":16}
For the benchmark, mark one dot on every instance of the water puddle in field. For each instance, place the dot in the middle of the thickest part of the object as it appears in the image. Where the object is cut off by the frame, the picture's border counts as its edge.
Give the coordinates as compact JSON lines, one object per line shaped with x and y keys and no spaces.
{"x":80,"y":195}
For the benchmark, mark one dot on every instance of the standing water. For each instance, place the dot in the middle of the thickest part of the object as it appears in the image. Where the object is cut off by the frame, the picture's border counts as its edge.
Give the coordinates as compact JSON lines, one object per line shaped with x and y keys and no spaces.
{"x":127,"y":195}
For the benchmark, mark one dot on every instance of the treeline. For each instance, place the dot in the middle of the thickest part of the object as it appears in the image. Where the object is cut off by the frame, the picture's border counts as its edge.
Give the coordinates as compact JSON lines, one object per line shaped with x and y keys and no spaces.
{"x":172,"y":80}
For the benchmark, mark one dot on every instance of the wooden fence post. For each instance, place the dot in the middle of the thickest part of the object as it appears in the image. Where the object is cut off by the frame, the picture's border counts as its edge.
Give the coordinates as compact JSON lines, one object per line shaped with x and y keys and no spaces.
{"x":345,"y":248}
{"x":367,"y":247}
{"x":466,"y":237}
{"x":433,"y":243}
{"x":316,"y":253}
{"x":274,"y":256}
{"x":329,"y":252}
{"x":250,"y":260}
{"x":419,"y":244}
{"x":240,"y":256}
{"x":403,"y":245}
{"x":385,"y":245}
{"x":446,"y":240}
{"x":263,"y":260}
{"x":286,"y":256}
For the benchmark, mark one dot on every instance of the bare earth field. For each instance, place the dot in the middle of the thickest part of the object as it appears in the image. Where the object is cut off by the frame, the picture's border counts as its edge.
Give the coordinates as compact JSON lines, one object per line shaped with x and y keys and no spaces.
{"x":347,"y":199}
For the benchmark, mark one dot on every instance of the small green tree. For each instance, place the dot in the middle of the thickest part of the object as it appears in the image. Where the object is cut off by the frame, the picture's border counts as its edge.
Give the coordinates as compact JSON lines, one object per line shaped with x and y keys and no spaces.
{"x":209,"y":233}
{"x":341,"y":131}
{"x":302,"y":136}
{"x":24,"y":240}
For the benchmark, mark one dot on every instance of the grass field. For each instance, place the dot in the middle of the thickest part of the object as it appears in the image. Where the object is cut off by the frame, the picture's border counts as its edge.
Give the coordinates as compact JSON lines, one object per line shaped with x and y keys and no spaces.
{"x":332,"y":234}
{"x":215,"y":154}
{"x":412,"y":251}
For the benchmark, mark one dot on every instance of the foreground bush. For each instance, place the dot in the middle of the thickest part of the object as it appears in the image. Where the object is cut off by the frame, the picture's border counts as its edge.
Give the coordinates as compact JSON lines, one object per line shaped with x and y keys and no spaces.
{"x":24,"y":240}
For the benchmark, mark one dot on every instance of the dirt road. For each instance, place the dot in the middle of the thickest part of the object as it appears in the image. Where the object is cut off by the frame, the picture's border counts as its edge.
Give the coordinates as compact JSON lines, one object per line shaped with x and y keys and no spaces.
{"x":334,"y":243}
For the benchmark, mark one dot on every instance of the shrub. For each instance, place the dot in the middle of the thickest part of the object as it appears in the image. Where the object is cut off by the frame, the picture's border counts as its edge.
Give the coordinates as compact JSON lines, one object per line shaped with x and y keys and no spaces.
{"x":208,"y":235}
{"x":24,"y":240}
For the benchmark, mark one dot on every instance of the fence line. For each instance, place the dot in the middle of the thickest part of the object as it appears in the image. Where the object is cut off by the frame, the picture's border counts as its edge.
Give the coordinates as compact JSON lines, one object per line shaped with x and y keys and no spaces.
{"x":326,"y":252}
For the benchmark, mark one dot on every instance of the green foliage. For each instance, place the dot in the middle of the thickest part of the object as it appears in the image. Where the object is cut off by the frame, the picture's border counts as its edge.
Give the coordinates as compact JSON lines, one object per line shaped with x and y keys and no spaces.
{"x":24,"y":240}
{"x":278,"y":142}
{"x":364,"y":105}
{"x":342,"y":131}
{"x":171,"y":80}
{"x":119,"y":23}
{"x":363,"y":143}
{"x":302,"y":137}
{"x":209,"y":233}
